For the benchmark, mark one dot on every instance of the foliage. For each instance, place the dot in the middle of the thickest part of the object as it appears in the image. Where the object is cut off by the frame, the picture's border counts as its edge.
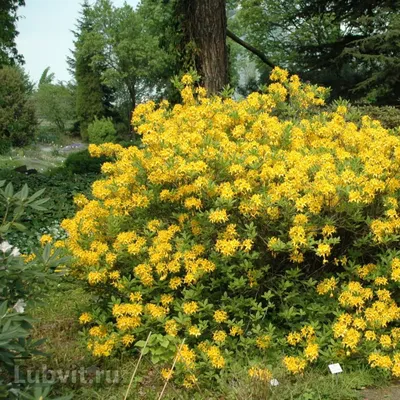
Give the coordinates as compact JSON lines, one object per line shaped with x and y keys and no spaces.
{"x":61,"y":186}
{"x":197,"y":236}
{"x":13,"y":205}
{"x":191,"y":216}
{"x":8,"y":31}
{"x":15,"y":327}
{"x":109,"y":83}
{"x":55,"y":103}
{"x":349,"y":47}
{"x":22,"y":279}
{"x":5,"y":146}
{"x":93,"y":98}
{"x":101,"y":131}
{"x":387,"y":115}
{"x":17,"y":114}
{"x":81,"y":163}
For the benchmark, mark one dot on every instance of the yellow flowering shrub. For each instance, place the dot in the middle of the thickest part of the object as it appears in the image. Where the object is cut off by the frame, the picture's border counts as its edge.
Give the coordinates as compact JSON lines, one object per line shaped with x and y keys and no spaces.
{"x":201,"y":233}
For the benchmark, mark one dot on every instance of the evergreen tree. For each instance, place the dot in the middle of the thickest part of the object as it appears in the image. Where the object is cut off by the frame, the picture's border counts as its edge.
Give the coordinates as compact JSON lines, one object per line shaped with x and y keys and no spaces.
{"x":352,"y":46}
{"x":93,"y":98}
{"x":8,"y":31}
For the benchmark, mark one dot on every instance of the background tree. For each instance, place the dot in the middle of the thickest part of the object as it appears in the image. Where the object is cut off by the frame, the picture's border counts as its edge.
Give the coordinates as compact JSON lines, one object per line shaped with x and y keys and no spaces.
{"x":93,"y":98}
{"x":352,"y":46}
{"x":17,"y":113}
{"x":133,"y":64}
{"x":8,"y":31}
{"x":55,"y":102}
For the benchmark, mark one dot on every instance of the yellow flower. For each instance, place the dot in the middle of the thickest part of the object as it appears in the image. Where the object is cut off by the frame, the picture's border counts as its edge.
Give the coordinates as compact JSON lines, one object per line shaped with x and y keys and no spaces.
{"x":351,"y":338}
{"x":187,"y":79}
{"x":189,"y":381}
{"x":85,"y":318}
{"x":215,"y":356}
{"x":323,"y":250}
{"x":190,"y":308}
{"x":98,"y":331}
{"x":279,"y":74}
{"x":186,"y":356}
{"x":293,"y":338}
{"x":127,"y":340}
{"x":171,"y":327}
{"x":381,"y":281}
{"x":218,"y":216}
{"x":328,"y":230}
{"x":326,"y":286}
{"x":167,"y":373}
{"x":194,"y":331}
{"x":135,"y":297}
{"x":385,"y":341}
{"x":44,"y":239}
{"x":236,"y":331}
{"x":219,"y":336}
{"x":263,"y":341}
{"x":295,"y":365}
{"x":370,"y":335}
{"x":311,"y":351}
{"x":381,"y":361}
{"x":220,"y":316}
{"x":103,"y":349}
{"x":166,"y":299}
{"x":262,"y":374}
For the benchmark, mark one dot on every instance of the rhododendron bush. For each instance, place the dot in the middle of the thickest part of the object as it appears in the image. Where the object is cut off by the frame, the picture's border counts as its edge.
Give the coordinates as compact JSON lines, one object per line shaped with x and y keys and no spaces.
{"x":217,"y":228}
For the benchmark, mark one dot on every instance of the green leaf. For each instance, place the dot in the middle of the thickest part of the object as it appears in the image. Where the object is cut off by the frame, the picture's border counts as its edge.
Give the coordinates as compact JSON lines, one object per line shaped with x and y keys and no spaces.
{"x":24,"y":192}
{"x":19,"y":226}
{"x":36,"y":195}
{"x":46,"y":253}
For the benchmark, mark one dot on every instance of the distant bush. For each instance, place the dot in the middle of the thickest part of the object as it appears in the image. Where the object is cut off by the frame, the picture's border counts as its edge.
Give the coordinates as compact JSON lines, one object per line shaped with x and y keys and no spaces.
{"x":83,"y":163}
{"x":5,"y":145}
{"x":17,"y":114}
{"x":102,"y":131}
{"x":388,"y":116}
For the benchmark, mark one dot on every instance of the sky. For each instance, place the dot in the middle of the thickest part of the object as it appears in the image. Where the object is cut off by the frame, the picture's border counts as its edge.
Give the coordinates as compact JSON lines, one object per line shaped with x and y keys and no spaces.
{"x":45,"y":36}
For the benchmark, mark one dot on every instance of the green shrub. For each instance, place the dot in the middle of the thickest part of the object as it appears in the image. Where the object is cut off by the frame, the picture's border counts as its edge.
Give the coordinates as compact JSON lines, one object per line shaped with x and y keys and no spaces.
{"x":83,"y":163}
{"x":5,"y":145}
{"x":61,"y":186}
{"x":102,"y":131}
{"x":212,"y":235}
{"x":388,"y":116}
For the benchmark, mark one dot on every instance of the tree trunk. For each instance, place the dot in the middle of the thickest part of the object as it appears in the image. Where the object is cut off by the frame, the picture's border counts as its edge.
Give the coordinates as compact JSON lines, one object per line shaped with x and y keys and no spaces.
{"x":205,"y":24}
{"x":132,"y":94}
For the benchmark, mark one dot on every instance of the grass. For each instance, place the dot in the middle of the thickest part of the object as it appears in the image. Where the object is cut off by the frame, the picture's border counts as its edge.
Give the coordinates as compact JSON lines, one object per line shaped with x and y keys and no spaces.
{"x":56,"y":319}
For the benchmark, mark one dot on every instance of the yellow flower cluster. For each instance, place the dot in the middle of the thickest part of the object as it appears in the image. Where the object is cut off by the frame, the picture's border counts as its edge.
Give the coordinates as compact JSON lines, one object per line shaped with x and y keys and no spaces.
{"x":177,"y":234}
{"x":262,"y":374}
{"x":307,"y":337}
{"x":369,"y":325}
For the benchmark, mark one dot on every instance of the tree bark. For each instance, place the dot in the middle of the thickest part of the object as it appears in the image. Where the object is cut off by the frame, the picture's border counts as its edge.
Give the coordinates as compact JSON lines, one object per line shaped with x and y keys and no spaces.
{"x":205,"y":25}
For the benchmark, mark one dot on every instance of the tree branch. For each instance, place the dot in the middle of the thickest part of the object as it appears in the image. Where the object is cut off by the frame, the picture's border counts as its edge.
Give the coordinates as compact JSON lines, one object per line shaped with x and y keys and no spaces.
{"x":249,"y":47}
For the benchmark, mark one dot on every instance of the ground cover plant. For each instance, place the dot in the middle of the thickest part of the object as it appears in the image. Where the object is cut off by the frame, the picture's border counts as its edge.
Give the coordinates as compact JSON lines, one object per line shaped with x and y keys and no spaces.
{"x":60,"y":186}
{"x":23,"y":279}
{"x":216,"y":231}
